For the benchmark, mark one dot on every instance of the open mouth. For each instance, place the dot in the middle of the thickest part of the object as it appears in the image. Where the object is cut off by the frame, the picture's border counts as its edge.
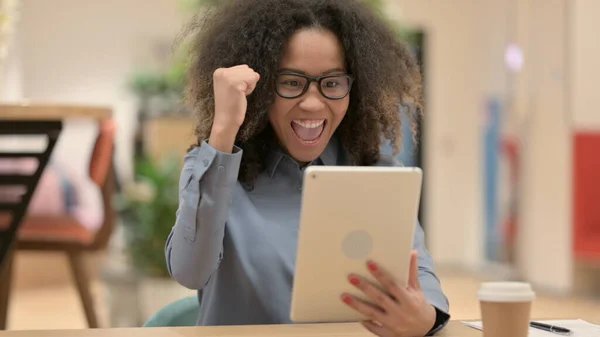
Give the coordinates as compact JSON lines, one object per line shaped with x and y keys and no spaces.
{"x":308,"y":131}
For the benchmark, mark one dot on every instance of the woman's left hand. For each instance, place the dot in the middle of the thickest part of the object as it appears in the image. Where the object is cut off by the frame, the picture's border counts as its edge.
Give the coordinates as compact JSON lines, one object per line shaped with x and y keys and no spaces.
{"x":402,"y":312}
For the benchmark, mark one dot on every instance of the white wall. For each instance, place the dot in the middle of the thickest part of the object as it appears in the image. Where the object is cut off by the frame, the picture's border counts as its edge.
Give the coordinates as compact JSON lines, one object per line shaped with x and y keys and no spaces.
{"x":11,"y":85}
{"x":464,"y":67}
{"x":584,"y":54}
{"x":81,"y":52}
{"x":546,"y":198}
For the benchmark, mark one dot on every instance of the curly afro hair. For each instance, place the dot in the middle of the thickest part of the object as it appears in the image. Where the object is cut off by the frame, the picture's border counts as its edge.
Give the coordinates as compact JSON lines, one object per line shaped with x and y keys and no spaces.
{"x":255,"y":32}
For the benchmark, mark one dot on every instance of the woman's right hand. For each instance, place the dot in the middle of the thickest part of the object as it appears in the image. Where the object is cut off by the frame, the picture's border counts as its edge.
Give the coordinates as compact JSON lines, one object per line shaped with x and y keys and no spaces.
{"x":231,"y":86}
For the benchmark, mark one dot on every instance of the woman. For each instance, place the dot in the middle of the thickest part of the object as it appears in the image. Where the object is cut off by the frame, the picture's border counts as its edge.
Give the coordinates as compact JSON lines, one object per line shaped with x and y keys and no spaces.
{"x":277,"y":86}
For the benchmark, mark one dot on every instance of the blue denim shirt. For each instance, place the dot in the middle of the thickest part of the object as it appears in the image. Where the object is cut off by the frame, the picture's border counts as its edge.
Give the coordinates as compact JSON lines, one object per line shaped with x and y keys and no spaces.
{"x":237,"y":246}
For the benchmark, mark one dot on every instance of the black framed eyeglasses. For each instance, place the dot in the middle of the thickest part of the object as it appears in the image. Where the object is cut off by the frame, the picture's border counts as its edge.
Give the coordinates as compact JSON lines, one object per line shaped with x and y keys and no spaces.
{"x":293,"y":85}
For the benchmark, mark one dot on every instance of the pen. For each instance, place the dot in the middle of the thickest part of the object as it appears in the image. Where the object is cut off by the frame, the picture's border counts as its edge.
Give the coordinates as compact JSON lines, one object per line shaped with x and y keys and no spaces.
{"x":551,"y":328}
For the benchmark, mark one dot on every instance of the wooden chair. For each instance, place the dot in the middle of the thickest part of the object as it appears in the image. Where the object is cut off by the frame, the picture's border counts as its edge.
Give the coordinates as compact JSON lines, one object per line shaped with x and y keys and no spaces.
{"x":65,"y":234}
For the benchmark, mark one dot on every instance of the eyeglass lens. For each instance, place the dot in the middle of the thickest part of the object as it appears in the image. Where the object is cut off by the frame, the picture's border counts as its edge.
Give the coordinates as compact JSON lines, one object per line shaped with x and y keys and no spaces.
{"x":292,"y":86}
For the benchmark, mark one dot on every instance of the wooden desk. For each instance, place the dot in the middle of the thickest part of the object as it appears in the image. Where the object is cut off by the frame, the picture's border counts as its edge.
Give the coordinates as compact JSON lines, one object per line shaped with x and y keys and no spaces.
{"x":25,"y":112}
{"x":454,"y":329}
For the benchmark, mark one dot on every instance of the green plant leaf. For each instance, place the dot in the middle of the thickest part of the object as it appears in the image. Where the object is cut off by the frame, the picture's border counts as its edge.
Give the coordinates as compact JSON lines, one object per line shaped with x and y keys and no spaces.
{"x":148,"y":223}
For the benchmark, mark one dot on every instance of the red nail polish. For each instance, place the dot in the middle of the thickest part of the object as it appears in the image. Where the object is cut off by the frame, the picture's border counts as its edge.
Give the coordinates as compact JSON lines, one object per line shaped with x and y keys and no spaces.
{"x":354,"y":280}
{"x":372,"y":266}
{"x":347,"y":299}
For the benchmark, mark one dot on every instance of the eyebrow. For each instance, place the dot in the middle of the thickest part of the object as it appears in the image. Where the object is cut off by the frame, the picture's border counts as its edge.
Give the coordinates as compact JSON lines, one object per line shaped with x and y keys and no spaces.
{"x":334,"y":70}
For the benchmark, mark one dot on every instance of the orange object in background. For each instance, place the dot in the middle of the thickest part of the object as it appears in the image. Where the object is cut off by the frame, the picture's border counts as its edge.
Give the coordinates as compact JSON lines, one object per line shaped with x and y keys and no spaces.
{"x":586,"y":196}
{"x":510,"y":150}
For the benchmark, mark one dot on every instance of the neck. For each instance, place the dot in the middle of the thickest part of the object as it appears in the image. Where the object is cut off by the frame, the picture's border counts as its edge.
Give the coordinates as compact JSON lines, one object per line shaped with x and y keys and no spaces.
{"x":302,"y":164}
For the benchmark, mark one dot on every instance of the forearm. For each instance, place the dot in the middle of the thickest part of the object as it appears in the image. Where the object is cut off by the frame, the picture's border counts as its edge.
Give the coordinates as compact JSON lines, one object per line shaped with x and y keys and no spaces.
{"x":195,"y":246}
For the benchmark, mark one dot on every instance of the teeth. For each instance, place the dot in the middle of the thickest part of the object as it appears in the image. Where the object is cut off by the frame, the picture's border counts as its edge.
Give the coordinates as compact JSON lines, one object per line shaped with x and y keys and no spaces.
{"x":309,"y":124}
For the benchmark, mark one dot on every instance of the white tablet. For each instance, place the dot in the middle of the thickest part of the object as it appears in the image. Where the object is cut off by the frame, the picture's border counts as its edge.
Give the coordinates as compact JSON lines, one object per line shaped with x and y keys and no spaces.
{"x":350,"y":215}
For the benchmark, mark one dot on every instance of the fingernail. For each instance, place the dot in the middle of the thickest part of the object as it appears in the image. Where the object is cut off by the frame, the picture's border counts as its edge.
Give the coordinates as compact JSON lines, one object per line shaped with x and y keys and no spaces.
{"x":354,"y":280}
{"x":347,"y":299}
{"x":372,"y":266}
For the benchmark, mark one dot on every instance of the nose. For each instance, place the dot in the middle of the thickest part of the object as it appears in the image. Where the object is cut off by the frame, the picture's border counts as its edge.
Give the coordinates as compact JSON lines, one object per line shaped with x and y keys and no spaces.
{"x":312,"y":99}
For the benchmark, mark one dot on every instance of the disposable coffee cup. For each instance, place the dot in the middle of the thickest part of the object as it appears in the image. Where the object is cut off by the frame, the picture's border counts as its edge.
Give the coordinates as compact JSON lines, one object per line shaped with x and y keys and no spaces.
{"x":505,"y":308}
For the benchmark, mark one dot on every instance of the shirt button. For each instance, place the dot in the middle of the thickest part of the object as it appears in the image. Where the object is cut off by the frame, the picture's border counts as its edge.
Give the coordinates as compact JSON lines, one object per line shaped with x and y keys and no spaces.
{"x":221,"y":168}
{"x":205,"y":162}
{"x":299,"y":187}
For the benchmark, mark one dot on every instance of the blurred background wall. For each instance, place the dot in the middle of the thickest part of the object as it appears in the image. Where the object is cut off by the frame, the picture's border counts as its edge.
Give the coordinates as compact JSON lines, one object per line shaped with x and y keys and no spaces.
{"x":544,"y":104}
{"x":83,"y":51}
{"x":533,"y":63}
{"x":584,"y":56}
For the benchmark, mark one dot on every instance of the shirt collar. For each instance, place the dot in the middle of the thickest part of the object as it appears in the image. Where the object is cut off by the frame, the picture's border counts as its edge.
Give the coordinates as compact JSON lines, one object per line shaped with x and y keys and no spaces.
{"x":329,"y":157}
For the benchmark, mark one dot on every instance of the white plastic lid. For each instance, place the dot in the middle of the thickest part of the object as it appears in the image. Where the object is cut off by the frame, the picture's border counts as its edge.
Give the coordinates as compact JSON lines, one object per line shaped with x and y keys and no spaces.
{"x":506,"y":292}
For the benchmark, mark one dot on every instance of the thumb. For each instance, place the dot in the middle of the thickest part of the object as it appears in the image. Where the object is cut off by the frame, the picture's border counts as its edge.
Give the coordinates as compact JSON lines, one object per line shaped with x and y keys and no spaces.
{"x":242,"y":86}
{"x":413,"y":277}
{"x":249,"y":88}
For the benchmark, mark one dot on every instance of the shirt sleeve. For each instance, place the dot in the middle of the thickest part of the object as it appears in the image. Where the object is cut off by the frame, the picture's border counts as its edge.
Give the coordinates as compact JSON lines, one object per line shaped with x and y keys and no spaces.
{"x":194,"y":248}
{"x":430,"y":283}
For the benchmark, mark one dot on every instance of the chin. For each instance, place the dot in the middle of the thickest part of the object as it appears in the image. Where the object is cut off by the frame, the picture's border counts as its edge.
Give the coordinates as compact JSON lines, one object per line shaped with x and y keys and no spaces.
{"x":304,"y":157}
